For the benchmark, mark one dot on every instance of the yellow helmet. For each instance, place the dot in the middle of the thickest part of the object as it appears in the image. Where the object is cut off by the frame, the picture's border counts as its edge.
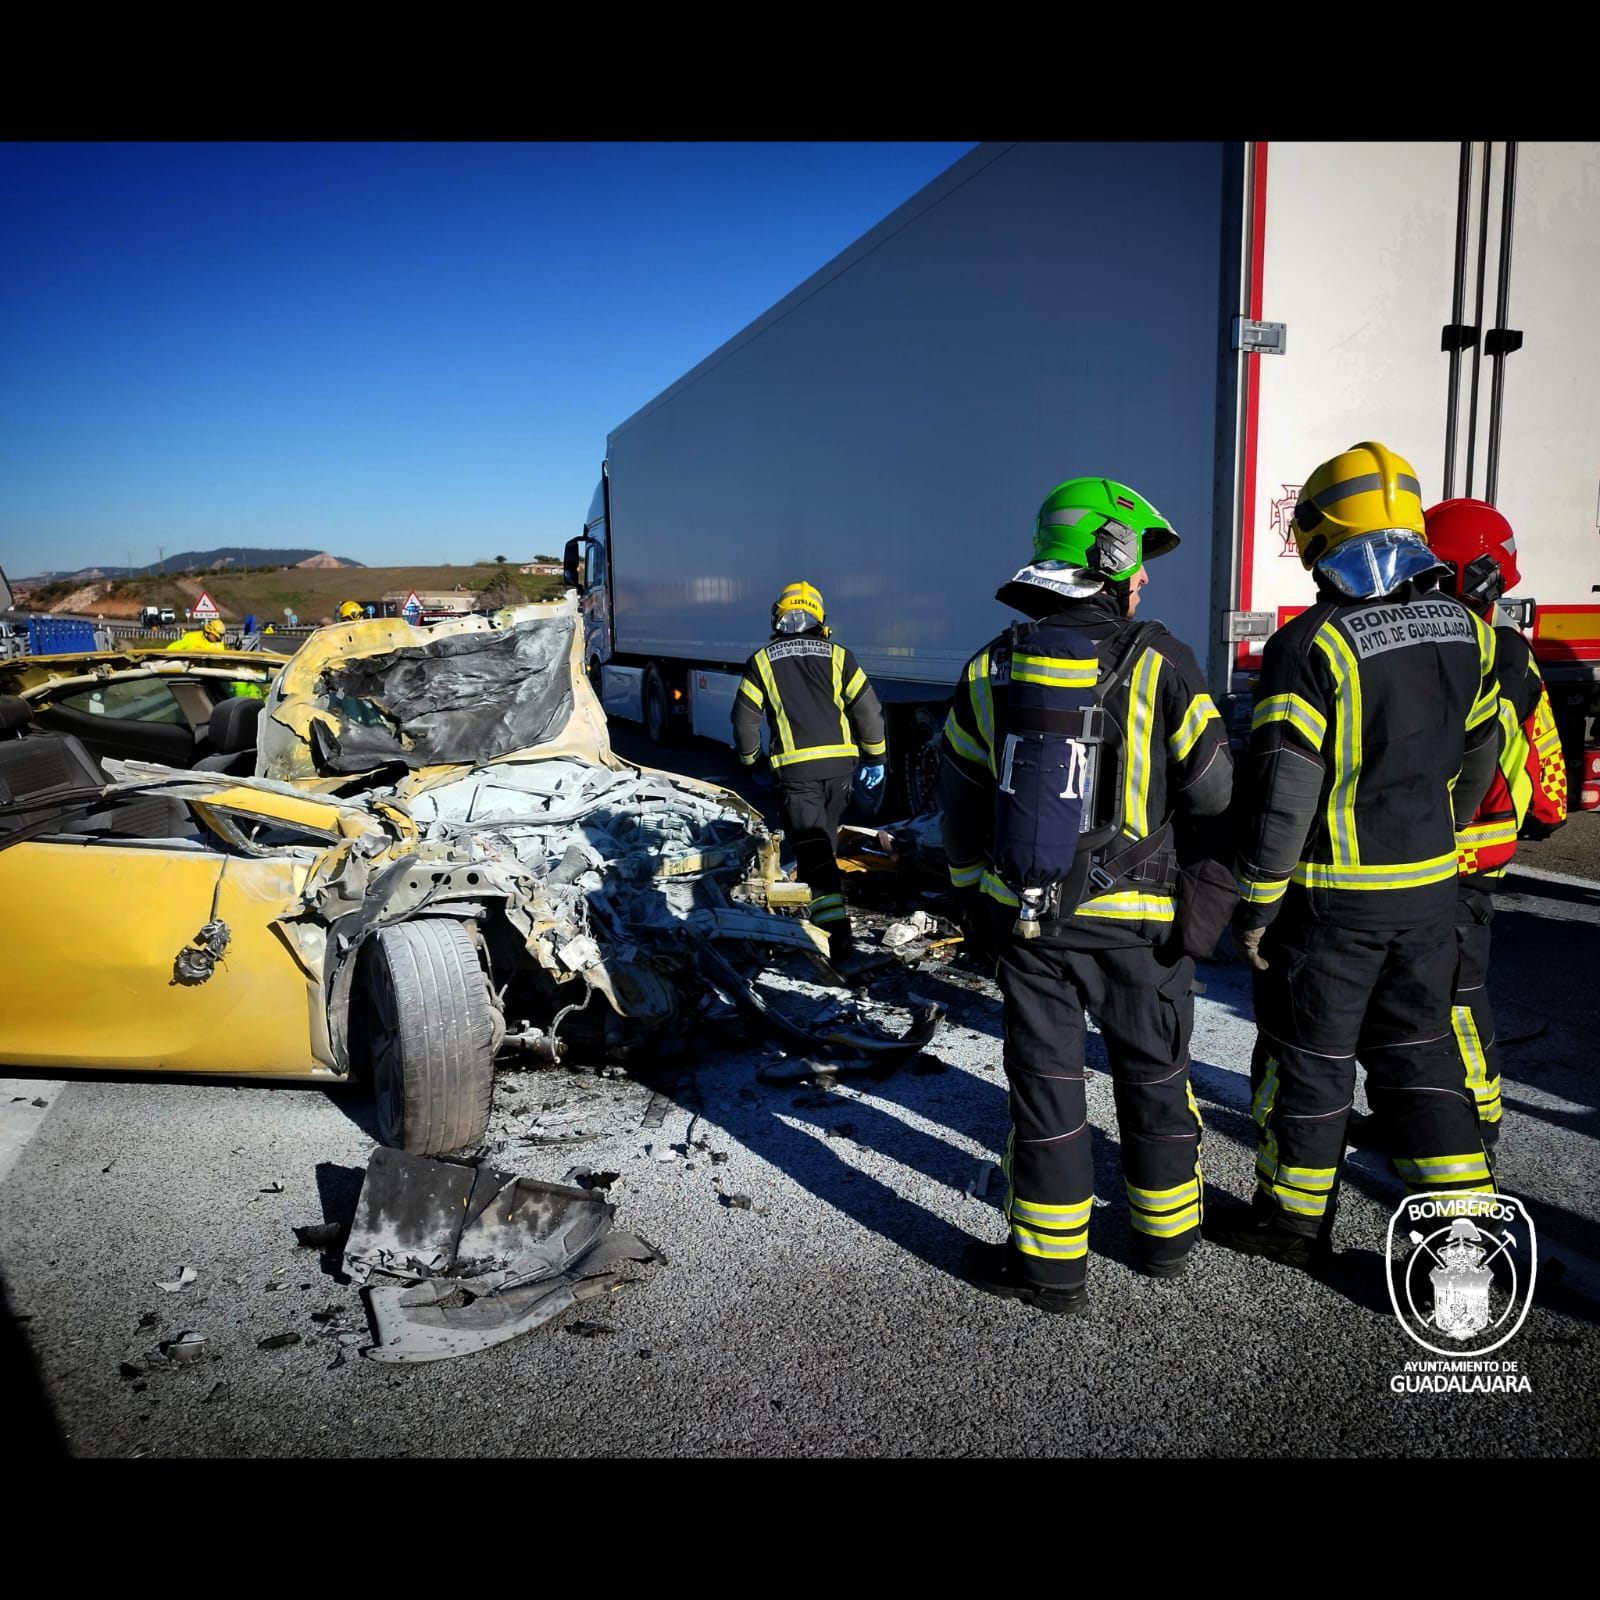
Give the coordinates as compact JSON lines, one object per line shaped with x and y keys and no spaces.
{"x":350,"y":611}
{"x":212,"y":628}
{"x":1364,"y":489}
{"x":797,"y":609}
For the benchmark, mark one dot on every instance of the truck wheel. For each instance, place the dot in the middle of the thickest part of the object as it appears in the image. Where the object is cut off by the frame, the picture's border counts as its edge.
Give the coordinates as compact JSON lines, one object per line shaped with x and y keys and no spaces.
{"x":429,"y":1035}
{"x":658,"y":719}
{"x":917,"y":760}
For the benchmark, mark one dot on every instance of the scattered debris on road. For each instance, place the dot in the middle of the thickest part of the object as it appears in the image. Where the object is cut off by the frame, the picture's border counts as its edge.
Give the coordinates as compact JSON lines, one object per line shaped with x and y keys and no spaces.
{"x":188,"y":1347}
{"x":278,"y":1341}
{"x":182,"y":1281}
{"x":482,"y":1255}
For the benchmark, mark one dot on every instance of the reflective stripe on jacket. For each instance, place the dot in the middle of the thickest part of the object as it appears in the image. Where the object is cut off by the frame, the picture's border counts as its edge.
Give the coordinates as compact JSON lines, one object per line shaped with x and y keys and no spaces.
{"x":1532,"y":772}
{"x":1375,"y":728}
{"x":820,"y":711}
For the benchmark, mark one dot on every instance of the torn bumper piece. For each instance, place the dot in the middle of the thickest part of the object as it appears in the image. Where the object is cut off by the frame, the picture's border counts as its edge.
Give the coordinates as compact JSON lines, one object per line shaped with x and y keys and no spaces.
{"x":483,"y":1256}
{"x":848,"y":1048}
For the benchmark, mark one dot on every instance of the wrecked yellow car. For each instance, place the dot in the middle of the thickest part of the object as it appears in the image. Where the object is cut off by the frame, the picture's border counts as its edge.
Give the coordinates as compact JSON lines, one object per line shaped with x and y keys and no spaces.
{"x":436,"y":859}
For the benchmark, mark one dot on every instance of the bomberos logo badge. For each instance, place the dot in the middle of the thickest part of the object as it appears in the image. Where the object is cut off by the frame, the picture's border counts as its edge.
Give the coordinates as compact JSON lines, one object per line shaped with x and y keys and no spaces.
{"x":1461,"y":1270}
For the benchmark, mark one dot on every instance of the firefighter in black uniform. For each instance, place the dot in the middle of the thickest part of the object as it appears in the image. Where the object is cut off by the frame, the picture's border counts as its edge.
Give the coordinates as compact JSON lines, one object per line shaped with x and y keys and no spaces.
{"x":821,"y":714}
{"x":1527,"y":795}
{"x":1069,"y":747}
{"x":1374,"y":736}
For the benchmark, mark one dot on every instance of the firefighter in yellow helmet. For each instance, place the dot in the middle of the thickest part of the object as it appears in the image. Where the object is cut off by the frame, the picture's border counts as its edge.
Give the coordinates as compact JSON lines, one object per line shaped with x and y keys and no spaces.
{"x":1373,"y":739}
{"x":821,"y":715}
{"x":350,"y":611}
{"x":208,"y":636}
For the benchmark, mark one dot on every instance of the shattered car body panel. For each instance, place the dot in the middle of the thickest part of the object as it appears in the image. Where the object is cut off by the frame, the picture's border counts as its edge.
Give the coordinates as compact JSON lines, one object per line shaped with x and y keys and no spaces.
{"x":514,"y":1252}
{"x":613,"y":873}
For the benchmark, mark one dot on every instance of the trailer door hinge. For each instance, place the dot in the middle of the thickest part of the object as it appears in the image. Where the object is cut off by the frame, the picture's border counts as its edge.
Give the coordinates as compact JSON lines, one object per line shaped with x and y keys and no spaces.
{"x":1259,"y":338}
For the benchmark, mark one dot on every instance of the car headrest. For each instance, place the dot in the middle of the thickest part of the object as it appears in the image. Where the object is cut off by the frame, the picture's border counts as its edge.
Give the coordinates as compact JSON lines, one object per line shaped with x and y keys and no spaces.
{"x":15,"y":713}
{"x":233,"y":724}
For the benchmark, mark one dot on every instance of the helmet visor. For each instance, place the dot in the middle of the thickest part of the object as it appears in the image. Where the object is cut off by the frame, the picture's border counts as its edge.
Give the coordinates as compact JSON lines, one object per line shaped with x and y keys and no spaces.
{"x":795,"y":621}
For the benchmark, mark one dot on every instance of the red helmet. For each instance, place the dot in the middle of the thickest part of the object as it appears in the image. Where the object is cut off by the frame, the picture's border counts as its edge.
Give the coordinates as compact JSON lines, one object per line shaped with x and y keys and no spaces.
{"x":1479,"y":546}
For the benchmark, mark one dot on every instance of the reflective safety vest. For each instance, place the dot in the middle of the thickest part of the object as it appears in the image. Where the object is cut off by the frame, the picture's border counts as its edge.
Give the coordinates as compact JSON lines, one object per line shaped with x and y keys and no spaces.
{"x":1366,"y":713}
{"x":820,"y":711}
{"x":1531,"y":776}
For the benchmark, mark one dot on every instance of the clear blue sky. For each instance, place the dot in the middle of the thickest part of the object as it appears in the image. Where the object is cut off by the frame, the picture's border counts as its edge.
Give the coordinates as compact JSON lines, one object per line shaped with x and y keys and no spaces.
{"x":398,"y":353}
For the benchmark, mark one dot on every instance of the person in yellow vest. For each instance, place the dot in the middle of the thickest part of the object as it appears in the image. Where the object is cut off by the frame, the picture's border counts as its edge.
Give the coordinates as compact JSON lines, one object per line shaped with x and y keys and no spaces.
{"x":209,"y":636}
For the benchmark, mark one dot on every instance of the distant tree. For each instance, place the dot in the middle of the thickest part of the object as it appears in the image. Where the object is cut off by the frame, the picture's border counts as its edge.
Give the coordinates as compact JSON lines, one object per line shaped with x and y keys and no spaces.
{"x":544,"y":561}
{"x":498,"y":592}
{"x":499,"y":561}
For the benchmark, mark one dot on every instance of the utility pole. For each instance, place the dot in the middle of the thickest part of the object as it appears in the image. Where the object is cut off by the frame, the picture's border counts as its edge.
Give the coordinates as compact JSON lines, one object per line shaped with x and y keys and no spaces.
{"x":161,"y":564}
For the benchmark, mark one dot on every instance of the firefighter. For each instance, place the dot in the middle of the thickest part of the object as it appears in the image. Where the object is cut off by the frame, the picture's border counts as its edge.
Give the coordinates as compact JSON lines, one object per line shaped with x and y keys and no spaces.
{"x":1070,"y":745}
{"x":1374,"y":735}
{"x":821,"y":713}
{"x":1527,"y":794}
{"x":208,"y":636}
{"x":351,"y":612}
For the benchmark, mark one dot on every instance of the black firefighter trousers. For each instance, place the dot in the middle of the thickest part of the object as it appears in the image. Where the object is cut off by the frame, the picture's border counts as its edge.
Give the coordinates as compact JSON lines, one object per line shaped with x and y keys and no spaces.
{"x":1146,"y":1014}
{"x":812,"y":809}
{"x":1332,"y":996}
{"x":1471,"y":1020}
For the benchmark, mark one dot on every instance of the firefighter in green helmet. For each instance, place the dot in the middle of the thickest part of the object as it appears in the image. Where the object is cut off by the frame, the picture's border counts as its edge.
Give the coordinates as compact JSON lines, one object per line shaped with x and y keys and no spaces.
{"x":1072,"y":742}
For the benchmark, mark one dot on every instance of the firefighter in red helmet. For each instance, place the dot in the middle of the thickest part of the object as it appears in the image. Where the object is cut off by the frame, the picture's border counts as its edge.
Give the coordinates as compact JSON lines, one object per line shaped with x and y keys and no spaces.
{"x":1527,"y":796}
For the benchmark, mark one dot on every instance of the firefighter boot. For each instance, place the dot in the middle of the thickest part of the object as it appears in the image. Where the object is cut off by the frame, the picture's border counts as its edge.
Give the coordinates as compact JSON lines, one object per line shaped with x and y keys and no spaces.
{"x":1256,"y":1231}
{"x":993,"y":1269}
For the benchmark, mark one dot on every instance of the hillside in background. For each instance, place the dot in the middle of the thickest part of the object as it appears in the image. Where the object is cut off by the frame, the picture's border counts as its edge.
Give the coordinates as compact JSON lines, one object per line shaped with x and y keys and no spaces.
{"x":224,"y":558}
{"x":312,"y":593}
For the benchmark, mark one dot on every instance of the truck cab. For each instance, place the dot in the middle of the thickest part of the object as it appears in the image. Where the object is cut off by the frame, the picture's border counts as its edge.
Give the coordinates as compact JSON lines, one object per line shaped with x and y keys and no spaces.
{"x":586,"y":567}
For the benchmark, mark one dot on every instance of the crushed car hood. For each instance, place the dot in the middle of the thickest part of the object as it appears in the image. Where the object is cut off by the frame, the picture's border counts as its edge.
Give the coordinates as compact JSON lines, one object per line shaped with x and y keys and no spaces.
{"x":366,"y":696}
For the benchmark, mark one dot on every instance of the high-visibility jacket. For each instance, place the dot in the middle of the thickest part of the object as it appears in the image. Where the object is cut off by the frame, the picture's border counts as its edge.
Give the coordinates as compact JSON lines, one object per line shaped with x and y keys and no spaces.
{"x":821,"y":712}
{"x":1174,"y":755}
{"x":1531,"y":775}
{"x":196,"y":640}
{"x":1374,"y":733}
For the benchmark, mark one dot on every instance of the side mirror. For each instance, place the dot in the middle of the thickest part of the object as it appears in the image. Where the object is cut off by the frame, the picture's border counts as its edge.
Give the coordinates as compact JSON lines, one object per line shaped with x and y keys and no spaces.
{"x":573,"y":564}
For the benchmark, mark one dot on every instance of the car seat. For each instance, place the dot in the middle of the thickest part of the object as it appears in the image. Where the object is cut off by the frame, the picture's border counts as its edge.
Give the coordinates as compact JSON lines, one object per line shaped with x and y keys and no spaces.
{"x":232,"y":734}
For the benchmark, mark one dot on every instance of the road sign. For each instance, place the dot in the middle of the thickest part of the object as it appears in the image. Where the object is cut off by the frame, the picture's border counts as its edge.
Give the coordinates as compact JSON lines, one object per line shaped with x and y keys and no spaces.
{"x":205,"y":606}
{"x":413,"y":606}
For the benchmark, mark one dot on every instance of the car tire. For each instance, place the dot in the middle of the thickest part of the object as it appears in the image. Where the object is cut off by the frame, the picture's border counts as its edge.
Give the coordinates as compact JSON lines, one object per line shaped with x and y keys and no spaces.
{"x":429,"y":1022}
{"x":658,"y":718}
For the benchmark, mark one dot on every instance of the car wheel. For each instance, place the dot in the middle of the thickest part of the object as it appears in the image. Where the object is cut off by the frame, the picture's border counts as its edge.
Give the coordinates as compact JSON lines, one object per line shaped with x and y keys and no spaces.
{"x":658,"y":722}
{"x":430,"y":1036}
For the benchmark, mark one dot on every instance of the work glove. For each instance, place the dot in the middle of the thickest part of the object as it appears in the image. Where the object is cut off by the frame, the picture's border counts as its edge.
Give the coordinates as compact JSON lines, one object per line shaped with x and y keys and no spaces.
{"x":761,"y":775}
{"x":1248,"y":940}
{"x":870,"y":777}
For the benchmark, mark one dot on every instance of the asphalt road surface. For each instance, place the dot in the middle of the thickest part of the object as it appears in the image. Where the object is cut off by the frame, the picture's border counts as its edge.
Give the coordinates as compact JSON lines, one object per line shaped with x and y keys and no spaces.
{"x":824,"y":1318}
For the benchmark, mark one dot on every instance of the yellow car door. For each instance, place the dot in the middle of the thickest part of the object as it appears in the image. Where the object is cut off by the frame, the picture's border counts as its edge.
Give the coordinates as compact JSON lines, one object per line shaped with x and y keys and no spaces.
{"x":95,"y":980}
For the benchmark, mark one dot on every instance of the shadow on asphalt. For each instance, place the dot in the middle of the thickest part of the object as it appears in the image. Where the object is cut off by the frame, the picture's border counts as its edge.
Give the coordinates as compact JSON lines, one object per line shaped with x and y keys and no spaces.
{"x":32,"y":1432}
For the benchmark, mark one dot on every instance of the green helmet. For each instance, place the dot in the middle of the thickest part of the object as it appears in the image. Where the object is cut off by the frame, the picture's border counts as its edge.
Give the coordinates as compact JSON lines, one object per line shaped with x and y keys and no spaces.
{"x":1102,"y":526}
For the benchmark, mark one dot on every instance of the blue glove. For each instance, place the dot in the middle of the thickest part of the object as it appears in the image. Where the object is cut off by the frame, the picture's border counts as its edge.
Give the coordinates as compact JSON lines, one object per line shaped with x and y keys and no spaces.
{"x":870,"y":777}
{"x":761,"y":776}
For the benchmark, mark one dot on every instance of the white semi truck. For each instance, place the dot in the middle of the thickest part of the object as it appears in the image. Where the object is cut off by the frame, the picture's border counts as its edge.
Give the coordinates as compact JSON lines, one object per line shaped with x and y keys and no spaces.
{"x":1205,"y":321}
